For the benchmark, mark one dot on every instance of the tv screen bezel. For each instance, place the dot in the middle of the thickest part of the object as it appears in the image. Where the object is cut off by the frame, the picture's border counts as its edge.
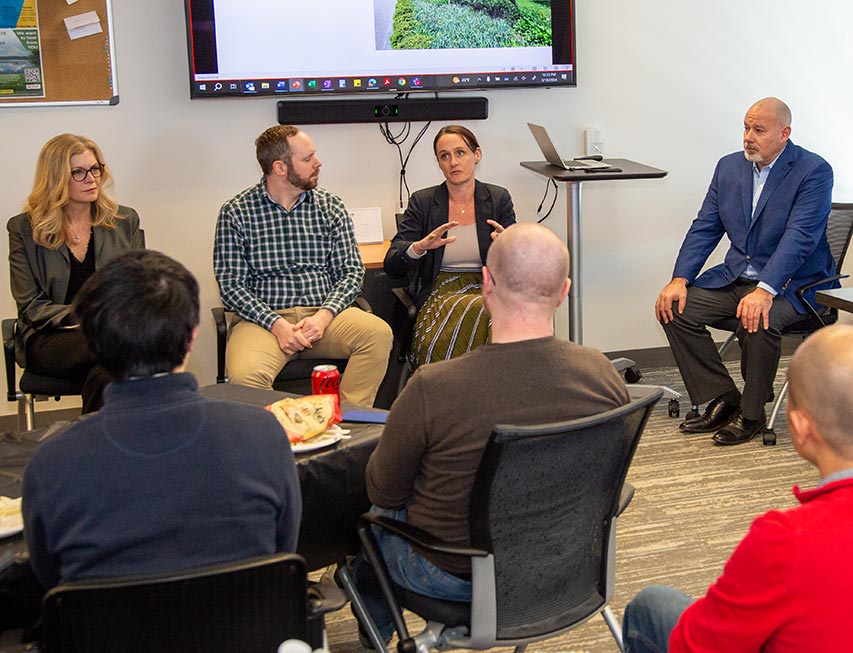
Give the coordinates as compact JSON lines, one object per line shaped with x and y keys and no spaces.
{"x":201,"y":42}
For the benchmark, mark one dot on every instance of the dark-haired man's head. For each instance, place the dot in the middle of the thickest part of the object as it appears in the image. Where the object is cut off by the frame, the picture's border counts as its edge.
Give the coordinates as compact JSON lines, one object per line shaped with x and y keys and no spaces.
{"x":139,"y":314}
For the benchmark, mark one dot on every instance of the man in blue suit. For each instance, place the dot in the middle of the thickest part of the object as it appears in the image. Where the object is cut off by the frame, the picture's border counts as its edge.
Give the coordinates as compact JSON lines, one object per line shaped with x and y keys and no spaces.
{"x":772,"y":202}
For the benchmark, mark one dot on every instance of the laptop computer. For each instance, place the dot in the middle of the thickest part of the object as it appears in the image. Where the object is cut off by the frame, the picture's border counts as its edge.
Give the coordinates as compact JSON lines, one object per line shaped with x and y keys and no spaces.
{"x":549,"y":151}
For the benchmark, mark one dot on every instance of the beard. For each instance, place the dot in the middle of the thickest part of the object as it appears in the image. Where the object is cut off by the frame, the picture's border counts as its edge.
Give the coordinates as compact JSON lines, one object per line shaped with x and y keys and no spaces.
{"x":302,"y":183}
{"x":753,"y":155}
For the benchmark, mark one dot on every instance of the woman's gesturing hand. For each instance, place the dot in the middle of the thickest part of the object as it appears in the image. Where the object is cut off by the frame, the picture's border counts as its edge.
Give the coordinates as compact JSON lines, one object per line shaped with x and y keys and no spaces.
{"x":435,"y":239}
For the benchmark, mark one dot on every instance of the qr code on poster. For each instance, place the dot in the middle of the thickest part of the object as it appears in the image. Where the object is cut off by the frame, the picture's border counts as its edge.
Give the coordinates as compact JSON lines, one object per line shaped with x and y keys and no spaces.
{"x":32,"y":75}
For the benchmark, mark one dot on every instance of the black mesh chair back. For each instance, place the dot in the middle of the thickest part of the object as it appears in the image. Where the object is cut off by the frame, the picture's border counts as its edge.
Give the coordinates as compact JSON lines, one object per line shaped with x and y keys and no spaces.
{"x":244,"y":607}
{"x":542,"y":522}
{"x":838,"y":232}
{"x":543,"y":503}
{"x":839,"y":229}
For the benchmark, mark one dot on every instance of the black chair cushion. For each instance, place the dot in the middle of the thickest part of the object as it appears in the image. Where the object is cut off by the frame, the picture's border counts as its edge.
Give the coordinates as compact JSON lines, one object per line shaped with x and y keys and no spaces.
{"x":449,"y":613}
{"x":807,"y":326}
{"x":803,"y":326}
{"x":301,"y":368}
{"x":295,"y":377}
{"x":51,"y":386}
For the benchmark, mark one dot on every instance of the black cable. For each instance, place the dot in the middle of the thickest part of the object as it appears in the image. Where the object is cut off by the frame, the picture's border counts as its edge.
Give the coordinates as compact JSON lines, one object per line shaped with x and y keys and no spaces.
{"x":397,"y":141}
{"x":548,"y":185}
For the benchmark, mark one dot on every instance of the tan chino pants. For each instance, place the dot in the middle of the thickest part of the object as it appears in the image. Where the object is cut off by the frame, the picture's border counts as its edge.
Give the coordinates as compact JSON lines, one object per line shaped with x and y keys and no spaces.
{"x":254,"y":359}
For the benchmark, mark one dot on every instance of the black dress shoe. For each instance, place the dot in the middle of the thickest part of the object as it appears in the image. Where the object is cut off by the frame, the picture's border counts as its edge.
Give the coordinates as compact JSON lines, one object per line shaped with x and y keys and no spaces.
{"x":716,"y":415}
{"x":740,"y":430}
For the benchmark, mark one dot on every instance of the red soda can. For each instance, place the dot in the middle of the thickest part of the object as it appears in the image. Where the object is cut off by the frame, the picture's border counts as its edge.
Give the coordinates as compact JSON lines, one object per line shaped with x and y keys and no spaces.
{"x":326,"y":380}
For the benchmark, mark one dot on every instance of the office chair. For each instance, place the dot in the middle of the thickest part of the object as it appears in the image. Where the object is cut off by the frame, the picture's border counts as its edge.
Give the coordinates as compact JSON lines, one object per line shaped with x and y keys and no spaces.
{"x":240,"y":607}
{"x":32,"y":386}
{"x":839,"y":229}
{"x":294,"y":377}
{"x":542,"y":522}
{"x":404,"y":333}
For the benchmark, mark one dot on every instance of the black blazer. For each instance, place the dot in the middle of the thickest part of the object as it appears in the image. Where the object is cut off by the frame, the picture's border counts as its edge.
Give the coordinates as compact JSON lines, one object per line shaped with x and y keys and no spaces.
{"x":40,"y":276}
{"x":429,"y":209}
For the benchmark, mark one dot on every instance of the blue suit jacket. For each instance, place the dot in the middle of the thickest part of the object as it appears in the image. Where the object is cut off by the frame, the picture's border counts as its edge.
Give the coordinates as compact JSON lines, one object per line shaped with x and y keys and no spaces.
{"x":786,"y":238}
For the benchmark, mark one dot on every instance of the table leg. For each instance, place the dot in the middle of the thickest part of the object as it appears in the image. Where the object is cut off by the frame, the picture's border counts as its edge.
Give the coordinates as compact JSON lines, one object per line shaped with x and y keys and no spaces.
{"x":573,"y":238}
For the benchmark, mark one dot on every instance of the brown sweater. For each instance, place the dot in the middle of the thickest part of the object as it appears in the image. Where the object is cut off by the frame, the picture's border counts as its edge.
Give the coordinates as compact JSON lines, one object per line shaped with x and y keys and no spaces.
{"x":439,"y":425}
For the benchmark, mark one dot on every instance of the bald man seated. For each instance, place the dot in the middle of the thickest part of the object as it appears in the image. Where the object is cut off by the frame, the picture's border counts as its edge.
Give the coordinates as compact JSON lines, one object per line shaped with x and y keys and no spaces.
{"x":771,"y":201}
{"x":787,"y":586}
{"x":448,"y":410}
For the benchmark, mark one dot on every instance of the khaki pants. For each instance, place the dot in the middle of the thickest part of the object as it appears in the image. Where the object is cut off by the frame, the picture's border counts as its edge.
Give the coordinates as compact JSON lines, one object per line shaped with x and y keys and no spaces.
{"x":253,"y":357}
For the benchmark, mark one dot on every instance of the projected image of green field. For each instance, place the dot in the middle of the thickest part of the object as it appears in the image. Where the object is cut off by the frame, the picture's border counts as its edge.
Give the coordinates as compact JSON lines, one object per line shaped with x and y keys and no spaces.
{"x":451,"y":24}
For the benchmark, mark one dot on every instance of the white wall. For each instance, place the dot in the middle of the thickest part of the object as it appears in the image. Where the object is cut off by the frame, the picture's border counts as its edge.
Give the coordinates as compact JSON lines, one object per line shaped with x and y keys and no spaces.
{"x":668,"y":81}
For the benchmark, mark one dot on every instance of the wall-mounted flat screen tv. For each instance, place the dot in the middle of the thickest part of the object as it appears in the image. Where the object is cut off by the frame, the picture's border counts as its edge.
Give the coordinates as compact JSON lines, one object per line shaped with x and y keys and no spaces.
{"x":333,"y":47}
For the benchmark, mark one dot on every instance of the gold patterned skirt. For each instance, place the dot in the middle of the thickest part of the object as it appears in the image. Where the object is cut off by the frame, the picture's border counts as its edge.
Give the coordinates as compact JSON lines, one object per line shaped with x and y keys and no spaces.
{"x":452,"y":321}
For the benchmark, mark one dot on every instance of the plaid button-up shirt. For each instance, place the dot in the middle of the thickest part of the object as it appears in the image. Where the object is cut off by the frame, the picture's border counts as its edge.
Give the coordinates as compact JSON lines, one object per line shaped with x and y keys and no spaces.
{"x":266,"y":258}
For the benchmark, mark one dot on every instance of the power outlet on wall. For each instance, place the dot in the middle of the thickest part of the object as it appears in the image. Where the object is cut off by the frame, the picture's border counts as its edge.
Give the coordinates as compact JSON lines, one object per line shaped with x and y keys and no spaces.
{"x":594,"y":139}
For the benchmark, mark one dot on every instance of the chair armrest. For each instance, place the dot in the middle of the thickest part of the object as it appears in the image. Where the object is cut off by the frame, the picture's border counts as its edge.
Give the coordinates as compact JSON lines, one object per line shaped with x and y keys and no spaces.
{"x":405,"y":299}
{"x":408,"y":329}
{"x":625,"y":498}
{"x":8,"y":326}
{"x":421,"y":538}
{"x":377,"y":561}
{"x":801,"y":291}
{"x":324,"y":598}
{"x":363,"y":304}
{"x":221,"y":342}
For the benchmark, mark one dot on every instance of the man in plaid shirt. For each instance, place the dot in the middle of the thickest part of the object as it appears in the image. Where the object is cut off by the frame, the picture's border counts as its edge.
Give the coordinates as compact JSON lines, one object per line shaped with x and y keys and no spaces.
{"x":287,"y":263}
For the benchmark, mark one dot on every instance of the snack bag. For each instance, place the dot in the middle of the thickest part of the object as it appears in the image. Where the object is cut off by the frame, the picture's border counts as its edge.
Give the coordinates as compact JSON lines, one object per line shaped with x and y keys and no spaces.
{"x":303,"y":418}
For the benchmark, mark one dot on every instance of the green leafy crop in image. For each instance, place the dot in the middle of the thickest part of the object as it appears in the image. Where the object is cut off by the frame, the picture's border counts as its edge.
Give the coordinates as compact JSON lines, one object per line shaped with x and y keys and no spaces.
{"x":444,"y":24}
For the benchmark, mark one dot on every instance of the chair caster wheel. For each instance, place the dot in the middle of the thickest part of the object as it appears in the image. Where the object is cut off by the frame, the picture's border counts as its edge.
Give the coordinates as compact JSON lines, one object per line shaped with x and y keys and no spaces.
{"x":674,"y":408}
{"x":633,"y":375}
{"x":769,"y":437}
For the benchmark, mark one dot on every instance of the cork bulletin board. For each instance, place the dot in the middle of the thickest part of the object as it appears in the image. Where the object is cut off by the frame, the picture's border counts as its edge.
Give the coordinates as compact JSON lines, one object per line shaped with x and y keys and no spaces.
{"x":73,"y":71}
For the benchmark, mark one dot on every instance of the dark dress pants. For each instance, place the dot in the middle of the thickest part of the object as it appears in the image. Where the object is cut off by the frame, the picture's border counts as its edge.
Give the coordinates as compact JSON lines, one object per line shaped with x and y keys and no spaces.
{"x":696,"y":355}
{"x":63,"y":353}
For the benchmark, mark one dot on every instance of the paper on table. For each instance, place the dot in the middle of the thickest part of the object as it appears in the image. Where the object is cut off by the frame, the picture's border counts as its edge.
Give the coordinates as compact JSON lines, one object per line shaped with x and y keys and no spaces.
{"x":83,"y":25}
{"x":367,"y":224}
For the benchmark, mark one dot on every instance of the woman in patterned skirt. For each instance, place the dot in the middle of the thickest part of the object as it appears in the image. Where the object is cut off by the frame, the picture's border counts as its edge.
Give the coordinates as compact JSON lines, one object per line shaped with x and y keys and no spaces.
{"x":448,"y":264}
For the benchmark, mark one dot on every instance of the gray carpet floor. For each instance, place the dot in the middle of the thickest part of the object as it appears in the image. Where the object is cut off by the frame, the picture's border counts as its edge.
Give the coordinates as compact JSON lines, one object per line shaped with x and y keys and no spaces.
{"x":694,"y":502}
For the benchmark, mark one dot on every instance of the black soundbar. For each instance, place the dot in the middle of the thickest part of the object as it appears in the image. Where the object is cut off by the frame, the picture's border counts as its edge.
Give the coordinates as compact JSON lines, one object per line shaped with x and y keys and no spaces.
{"x":301,"y":112}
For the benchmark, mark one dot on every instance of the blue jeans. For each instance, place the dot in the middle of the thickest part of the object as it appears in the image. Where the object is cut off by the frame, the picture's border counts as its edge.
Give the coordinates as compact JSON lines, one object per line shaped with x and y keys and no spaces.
{"x":408,"y":569}
{"x":650,"y":617}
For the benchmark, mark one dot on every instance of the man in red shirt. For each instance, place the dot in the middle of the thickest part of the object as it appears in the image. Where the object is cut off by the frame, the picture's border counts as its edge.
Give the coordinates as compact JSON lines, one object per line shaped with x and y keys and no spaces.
{"x":787,"y":586}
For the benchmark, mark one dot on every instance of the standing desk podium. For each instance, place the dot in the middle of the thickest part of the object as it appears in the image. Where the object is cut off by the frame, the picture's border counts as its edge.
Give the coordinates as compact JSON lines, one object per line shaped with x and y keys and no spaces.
{"x":574,"y":180}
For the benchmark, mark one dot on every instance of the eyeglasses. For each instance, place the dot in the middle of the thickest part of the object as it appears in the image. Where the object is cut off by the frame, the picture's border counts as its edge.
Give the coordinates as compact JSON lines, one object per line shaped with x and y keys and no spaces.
{"x":80,"y":174}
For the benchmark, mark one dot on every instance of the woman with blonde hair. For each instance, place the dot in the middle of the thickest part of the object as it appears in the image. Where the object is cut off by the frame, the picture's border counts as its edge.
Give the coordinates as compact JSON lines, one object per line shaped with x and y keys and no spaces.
{"x":70,"y":226}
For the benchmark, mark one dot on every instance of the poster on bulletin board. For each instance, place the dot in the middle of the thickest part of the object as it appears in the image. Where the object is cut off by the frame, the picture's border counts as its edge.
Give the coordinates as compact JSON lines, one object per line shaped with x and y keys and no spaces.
{"x":57,"y":52}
